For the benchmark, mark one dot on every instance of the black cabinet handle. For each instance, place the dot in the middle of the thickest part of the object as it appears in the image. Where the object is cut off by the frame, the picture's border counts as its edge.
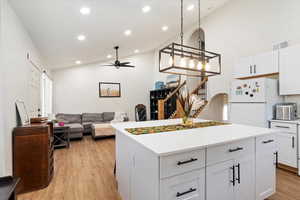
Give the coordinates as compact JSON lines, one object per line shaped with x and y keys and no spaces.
{"x":187,"y":161}
{"x":233,"y":175}
{"x":236,"y":149}
{"x":293,"y":142}
{"x":282,"y":127}
{"x":254,"y":69}
{"x":179,"y":194}
{"x":250,"y":69}
{"x":268,"y":141}
{"x":239,"y":173}
{"x":276,"y":158}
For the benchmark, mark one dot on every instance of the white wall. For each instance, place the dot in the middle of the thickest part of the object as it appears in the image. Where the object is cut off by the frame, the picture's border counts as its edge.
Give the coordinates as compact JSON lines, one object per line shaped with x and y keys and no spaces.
{"x":76,"y":90}
{"x":2,"y":155}
{"x":244,"y":28}
{"x":248,"y":27}
{"x":16,"y":72}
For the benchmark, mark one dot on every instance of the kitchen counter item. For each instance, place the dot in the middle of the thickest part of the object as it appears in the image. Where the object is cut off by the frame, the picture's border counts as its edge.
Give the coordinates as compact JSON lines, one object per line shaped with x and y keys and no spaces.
{"x":286,"y":111}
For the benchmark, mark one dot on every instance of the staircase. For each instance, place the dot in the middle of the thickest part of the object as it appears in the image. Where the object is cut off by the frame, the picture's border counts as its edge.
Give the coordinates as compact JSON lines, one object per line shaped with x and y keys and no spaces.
{"x":200,"y":91}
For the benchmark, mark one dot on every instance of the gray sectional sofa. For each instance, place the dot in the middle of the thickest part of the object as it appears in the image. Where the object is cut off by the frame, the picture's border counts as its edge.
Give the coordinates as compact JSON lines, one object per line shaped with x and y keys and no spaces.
{"x":82,"y":124}
{"x":74,"y":121}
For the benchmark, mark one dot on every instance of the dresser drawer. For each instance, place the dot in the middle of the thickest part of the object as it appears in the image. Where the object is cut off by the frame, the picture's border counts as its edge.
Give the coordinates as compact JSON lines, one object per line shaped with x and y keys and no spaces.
{"x":230,"y":151}
{"x":266,"y":143}
{"x":189,"y":186}
{"x":285,"y":127}
{"x":181,"y":163}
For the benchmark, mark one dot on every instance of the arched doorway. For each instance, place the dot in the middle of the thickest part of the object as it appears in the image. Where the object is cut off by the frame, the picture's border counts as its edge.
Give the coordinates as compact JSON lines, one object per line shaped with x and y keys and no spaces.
{"x":196,"y":39}
{"x":217,"y":109}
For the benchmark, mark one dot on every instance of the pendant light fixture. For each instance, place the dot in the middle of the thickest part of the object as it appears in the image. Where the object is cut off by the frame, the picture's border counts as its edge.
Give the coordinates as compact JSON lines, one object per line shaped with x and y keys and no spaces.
{"x":186,"y":60}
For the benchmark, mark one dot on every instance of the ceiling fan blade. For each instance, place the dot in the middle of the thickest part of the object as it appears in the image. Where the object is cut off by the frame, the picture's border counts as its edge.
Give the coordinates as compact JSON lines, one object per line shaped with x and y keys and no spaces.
{"x":127,"y":66}
{"x":107,"y":65}
{"x":124,"y":63}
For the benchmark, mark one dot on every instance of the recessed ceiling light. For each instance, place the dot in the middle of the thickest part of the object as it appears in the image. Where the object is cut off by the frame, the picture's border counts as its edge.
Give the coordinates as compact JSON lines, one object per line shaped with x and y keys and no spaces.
{"x":77,"y":62}
{"x":109,"y":56}
{"x":81,"y":37}
{"x":127,"y":32}
{"x":85,"y":10}
{"x":164,"y":28}
{"x":136,"y":51}
{"x":190,"y":7}
{"x":146,"y":9}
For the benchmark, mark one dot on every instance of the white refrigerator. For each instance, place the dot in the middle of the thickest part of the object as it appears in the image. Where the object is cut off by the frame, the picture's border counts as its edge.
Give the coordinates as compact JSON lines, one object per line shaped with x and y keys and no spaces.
{"x":252,"y":101}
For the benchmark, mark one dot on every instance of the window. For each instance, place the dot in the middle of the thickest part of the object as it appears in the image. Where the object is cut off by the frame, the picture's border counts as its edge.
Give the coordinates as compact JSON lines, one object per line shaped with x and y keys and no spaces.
{"x":46,"y":95}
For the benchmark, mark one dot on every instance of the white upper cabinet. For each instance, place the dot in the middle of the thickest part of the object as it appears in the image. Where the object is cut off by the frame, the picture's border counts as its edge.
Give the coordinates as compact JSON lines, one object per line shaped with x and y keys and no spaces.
{"x":259,"y":65}
{"x":266,"y":63}
{"x":243,"y":68}
{"x":289,"y":70}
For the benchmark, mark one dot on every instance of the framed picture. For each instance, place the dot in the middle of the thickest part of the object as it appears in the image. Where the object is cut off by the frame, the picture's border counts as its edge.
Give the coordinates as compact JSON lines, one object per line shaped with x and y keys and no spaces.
{"x":23,"y":118}
{"x":107,"y":89}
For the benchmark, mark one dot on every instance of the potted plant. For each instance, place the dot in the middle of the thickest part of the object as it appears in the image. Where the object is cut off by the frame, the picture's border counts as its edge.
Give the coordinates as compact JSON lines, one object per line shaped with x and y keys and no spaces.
{"x":186,"y":103}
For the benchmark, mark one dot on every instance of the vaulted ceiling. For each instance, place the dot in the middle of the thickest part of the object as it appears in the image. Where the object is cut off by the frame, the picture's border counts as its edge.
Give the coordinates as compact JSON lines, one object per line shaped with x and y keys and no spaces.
{"x":54,"y":26}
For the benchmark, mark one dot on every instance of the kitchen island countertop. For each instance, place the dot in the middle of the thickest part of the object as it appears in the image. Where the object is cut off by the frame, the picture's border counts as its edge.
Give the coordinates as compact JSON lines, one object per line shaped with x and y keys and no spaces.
{"x":166,"y":143}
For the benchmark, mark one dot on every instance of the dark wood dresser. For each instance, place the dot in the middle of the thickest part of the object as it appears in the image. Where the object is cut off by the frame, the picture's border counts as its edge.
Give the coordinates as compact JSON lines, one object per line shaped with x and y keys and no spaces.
{"x":33,"y":156}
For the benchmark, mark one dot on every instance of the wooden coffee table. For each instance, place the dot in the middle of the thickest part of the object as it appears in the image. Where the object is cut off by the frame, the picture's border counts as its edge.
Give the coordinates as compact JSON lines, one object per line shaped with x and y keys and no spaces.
{"x":61,"y":136}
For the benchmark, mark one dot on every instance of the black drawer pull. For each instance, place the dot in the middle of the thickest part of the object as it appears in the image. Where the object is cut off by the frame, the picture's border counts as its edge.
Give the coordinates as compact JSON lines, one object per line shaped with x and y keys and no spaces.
{"x":187,"y":161}
{"x":233,"y":175}
{"x":276,"y":159}
{"x":268,"y":141}
{"x":239,"y":173}
{"x":236,"y":149}
{"x":187,"y":192}
{"x":282,"y":127}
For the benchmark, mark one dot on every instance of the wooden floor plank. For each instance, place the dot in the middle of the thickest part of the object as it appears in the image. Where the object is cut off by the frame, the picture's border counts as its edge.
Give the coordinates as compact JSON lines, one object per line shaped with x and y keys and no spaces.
{"x":85,"y":172}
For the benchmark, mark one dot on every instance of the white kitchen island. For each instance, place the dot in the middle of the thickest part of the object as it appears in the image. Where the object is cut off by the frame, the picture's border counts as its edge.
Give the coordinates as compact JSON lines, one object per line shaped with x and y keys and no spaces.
{"x":228,"y":162}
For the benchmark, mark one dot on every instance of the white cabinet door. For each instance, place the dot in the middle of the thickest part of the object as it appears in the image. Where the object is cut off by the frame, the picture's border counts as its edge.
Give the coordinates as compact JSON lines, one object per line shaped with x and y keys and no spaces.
{"x":189,"y":186}
{"x":265,"y":63}
{"x":287,"y":149}
{"x":243,"y":68}
{"x":289,"y":70}
{"x":245,"y":178}
{"x":219,"y":183}
{"x":265,"y":167}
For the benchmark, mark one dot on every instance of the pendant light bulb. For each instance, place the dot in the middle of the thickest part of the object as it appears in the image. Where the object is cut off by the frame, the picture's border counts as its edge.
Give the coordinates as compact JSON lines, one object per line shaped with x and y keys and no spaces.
{"x":192,"y":64}
{"x":207,"y":67}
{"x":200,"y":65}
{"x":171,"y":62}
{"x":182,"y":62}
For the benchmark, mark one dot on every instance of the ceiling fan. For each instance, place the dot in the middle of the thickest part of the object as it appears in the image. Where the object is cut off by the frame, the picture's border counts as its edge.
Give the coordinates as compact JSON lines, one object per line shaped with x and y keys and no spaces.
{"x":117,"y":63}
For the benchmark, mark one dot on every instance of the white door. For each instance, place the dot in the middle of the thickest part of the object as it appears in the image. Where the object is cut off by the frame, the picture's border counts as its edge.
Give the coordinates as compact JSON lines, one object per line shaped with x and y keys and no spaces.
{"x":245,"y":174}
{"x":219,"y":183}
{"x":289,"y":70}
{"x":266,"y":63}
{"x":265,"y":167}
{"x":252,"y":114}
{"x":287,"y":149}
{"x":243,"y":68}
{"x":189,"y":186}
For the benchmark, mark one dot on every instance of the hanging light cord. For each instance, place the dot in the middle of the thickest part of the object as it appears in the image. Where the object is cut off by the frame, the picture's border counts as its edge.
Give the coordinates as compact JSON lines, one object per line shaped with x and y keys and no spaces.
{"x":181,"y":34}
{"x":199,"y":23}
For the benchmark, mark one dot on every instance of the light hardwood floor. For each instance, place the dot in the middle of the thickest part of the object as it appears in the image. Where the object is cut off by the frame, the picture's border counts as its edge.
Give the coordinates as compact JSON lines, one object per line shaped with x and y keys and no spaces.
{"x":85,"y":172}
